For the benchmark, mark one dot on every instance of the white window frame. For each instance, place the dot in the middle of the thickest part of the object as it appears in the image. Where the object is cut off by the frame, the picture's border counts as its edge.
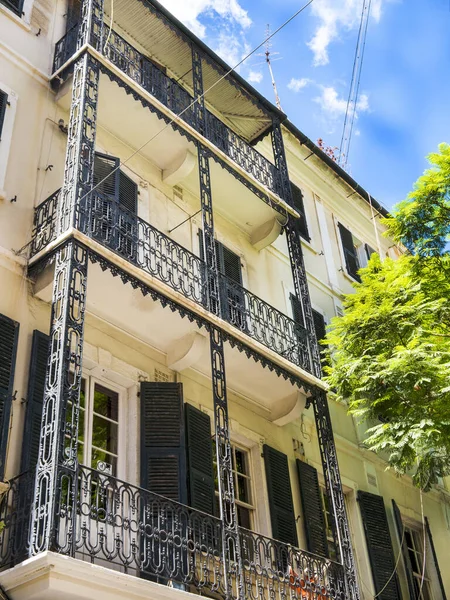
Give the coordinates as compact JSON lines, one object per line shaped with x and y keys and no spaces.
{"x":417,"y":535}
{"x":90,"y":381}
{"x":7,"y":133}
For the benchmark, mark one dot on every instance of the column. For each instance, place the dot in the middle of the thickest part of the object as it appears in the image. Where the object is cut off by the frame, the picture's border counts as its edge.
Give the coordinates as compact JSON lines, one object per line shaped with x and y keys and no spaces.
{"x":231,"y":550}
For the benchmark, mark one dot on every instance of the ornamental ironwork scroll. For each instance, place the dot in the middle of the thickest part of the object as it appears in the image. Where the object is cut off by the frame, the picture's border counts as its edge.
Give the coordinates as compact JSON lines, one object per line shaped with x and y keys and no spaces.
{"x":59,"y":430}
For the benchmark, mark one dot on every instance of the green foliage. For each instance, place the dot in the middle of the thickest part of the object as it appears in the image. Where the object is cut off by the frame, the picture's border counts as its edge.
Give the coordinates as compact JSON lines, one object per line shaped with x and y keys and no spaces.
{"x":391,"y":354}
{"x":422,"y":221}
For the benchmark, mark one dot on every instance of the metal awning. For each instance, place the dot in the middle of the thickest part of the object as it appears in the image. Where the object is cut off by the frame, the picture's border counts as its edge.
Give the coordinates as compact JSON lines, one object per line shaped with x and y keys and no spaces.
{"x":159,"y":36}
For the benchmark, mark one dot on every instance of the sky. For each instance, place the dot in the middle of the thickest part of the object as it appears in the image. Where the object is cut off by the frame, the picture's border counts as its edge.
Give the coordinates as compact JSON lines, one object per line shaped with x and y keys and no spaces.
{"x":403,"y":108}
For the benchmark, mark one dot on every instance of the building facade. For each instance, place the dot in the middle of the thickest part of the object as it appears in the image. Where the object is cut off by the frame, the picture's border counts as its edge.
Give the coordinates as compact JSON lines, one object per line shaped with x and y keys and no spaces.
{"x":171,"y":250}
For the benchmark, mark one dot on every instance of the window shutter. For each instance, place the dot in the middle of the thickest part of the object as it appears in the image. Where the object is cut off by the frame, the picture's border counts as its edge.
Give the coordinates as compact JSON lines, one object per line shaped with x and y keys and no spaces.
{"x":297,"y":199}
{"x":106,"y":175}
{"x":280,"y":496}
{"x":35,"y":399}
{"x":199,"y":460}
{"x":316,"y":535}
{"x":406,"y":559}
{"x":369,"y":251}
{"x":128,"y":192}
{"x":9,"y":333}
{"x":3,"y":105}
{"x":379,"y":545}
{"x":319,"y":327}
{"x":351,"y":259}
{"x":435,"y":560}
{"x":14,"y":5}
{"x":163,"y":463}
{"x":297,"y":310}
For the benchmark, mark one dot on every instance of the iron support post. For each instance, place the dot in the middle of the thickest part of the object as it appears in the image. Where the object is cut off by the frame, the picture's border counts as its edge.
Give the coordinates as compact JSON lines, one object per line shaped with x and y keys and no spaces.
{"x":231,"y":550}
{"x":324,"y":427}
{"x":59,"y":430}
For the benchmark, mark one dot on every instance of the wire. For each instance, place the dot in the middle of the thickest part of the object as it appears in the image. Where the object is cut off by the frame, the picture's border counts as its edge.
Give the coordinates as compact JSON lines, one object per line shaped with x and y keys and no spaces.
{"x":176,"y":118}
{"x":424,"y":545}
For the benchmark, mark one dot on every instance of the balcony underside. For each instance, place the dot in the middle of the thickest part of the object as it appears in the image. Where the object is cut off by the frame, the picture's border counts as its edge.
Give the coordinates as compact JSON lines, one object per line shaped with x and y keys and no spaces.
{"x":137,"y":128}
{"x":181,"y":343}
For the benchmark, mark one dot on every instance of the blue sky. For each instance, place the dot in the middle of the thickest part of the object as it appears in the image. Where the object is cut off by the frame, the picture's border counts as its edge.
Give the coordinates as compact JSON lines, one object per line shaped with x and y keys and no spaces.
{"x":404,"y":102}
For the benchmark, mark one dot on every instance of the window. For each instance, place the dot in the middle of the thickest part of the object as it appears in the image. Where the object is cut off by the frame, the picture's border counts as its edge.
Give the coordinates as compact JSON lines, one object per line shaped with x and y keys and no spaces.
{"x":98,"y":438}
{"x":242,"y":484}
{"x":297,"y":200}
{"x":415,"y":547}
{"x":356,"y":252}
{"x":3,"y":105}
{"x":15,"y":5}
{"x":328,"y":518}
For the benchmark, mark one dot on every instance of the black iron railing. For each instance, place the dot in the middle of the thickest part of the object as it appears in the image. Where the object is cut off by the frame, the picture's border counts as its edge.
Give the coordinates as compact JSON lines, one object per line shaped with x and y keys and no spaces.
{"x":113,"y":523}
{"x":140,"y":243}
{"x":172,"y":95}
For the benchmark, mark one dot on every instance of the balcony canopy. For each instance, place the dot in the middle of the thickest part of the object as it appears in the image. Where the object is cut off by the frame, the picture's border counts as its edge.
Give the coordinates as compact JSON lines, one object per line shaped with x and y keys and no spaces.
{"x":161,"y":37}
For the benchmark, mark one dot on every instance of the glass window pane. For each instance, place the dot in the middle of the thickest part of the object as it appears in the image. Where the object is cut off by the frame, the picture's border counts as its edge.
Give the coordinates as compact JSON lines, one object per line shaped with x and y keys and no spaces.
{"x":241,"y":462}
{"x":104,"y":434}
{"x":243,"y":490}
{"x":244,"y":519}
{"x":104,"y":457}
{"x":106,"y":403}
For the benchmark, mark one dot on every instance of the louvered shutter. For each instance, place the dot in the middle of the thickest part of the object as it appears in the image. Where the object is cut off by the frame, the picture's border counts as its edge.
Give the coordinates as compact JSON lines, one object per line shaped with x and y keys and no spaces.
{"x":3,"y":105}
{"x":297,"y":199}
{"x":297,"y":310}
{"x":14,"y":5}
{"x":35,"y":399}
{"x":230,"y":263}
{"x":319,"y":327}
{"x":313,"y":518}
{"x":435,"y":560}
{"x":199,"y":460}
{"x":280,"y":496}
{"x":405,"y":555}
{"x":163,"y":462}
{"x":379,"y":545}
{"x":9,"y":333}
{"x":369,"y":251}
{"x":128,"y":192}
{"x":351,"y":259}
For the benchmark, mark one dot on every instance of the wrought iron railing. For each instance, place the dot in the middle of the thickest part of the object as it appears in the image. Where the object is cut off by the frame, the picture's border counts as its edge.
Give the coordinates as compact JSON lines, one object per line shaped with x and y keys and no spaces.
{"x":108,"y":521}
{"x":129,"y":236}
{"x":172,"y":95}
{"x":15,"y":519}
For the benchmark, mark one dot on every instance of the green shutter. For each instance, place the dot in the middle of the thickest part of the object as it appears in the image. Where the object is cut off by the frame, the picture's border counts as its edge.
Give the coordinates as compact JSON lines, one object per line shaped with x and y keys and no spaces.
{"x":369,"y":251}
{"x":319,"y":327}
{"x":297,"y":199}
{"x":379,"y":546}
{"x":200,"y":460}
{"x":297,"y":310}
{"x":280,"y":496}
{"x":3,"y":105}
{"x":351,"y":259}
{"x":128,"y":192}
{"x":106,"y":175}
{"x":313,"y":518}
{"x":434,"y":556}
{"x":9,"y":333}
{"x":163,"y":460}
{"x":35,"y":400}
{"x":404,"y":549}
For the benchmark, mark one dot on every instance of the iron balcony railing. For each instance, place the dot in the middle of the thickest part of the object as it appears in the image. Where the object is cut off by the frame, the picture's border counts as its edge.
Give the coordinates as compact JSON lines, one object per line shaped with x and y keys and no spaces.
{"x":129,"y":236}
{"x":172,"y":95}
{"x":111,"y":522}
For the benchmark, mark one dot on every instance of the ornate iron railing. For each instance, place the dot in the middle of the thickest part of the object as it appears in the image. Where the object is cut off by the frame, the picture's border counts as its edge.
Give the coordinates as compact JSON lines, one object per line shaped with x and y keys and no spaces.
{"x":15,"y":519}
{"x":129,"y":236}
{"x":172,"y":95}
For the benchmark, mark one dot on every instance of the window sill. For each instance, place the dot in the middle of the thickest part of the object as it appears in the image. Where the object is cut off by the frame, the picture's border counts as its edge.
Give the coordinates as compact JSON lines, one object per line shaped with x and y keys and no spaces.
{"x":309,"y":245}
{"x":349,"y":277}
{"x":15,"y":17}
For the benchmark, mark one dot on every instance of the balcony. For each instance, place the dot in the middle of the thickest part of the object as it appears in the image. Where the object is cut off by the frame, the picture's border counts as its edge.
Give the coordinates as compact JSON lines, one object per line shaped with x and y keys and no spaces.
{"x":173,"y":96}
{"x":127,"y":528}
{"x":156,"y":254}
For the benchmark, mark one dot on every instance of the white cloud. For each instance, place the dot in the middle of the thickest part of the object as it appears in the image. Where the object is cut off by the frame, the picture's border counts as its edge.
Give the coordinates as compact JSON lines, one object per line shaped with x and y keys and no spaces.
{"x":335,"y":107}
{"x":188,"y":12}
{"x":255,"y":77}
{"x":334,"y":16}
{"x":231,"y":47}
{"x":298,"y":84}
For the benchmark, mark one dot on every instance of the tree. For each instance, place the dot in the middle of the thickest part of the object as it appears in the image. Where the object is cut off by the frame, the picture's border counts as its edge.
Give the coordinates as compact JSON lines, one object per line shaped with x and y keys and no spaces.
{"x":391,"y":349}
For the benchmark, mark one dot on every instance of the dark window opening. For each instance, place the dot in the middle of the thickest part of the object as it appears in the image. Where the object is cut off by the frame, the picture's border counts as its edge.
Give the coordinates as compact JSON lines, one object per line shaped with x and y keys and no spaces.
{"x":297,"y":200}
